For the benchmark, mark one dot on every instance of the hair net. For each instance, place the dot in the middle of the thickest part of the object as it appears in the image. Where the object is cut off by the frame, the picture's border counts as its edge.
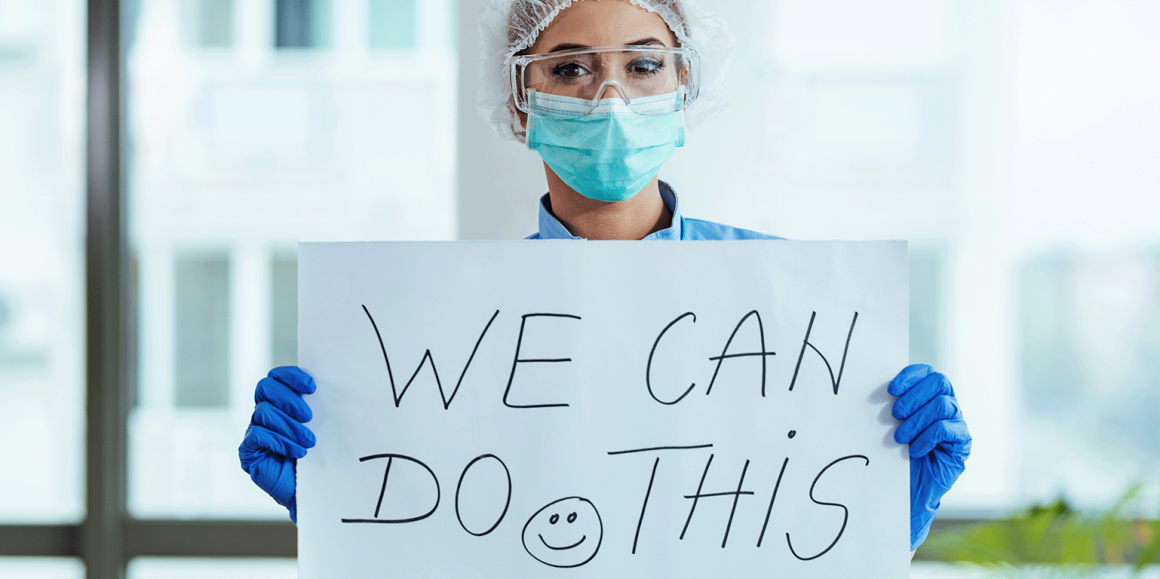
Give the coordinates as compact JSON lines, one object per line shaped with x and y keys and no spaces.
{"x":510,"y":26}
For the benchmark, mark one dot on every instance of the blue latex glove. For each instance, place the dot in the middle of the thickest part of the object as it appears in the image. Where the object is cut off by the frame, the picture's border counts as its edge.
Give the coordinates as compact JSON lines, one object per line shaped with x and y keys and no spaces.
{"x":933,"y":426}
{"x":277,"y":437}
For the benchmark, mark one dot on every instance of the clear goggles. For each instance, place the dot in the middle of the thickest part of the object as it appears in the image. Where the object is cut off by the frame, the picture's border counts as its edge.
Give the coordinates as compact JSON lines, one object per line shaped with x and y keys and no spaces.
{"x":631,"y":73}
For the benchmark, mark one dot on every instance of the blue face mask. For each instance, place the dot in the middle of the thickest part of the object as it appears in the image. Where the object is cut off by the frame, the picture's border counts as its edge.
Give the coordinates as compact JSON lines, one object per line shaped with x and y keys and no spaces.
{"x":610,"y":153}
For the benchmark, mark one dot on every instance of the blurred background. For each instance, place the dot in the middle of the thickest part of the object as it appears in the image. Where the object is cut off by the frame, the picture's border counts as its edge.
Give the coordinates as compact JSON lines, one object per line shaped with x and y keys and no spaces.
{"x":1014,"y":143}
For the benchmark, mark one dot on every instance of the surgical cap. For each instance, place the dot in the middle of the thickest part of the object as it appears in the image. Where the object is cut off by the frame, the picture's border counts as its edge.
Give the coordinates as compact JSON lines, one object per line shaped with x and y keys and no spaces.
{"x":510,"y":26}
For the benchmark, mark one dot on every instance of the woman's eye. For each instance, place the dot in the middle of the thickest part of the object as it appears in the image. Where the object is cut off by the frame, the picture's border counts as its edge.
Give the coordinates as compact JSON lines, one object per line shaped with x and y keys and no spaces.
{"x":569,"y":70}
{"x":646,"y":66}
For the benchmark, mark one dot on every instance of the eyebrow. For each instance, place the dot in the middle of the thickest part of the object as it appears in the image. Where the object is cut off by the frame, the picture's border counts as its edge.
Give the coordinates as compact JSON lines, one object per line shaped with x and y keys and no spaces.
{"x":642,"y":42}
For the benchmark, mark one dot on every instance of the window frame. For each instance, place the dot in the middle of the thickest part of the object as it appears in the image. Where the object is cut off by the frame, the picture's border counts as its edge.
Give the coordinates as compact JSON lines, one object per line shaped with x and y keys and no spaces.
{"x":108,"y":538}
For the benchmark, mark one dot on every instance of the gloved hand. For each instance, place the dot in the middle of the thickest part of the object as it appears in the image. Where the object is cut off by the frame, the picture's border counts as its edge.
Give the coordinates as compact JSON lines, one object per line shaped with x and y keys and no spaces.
{"x":933,"y":426}
{"x":277,"y":437}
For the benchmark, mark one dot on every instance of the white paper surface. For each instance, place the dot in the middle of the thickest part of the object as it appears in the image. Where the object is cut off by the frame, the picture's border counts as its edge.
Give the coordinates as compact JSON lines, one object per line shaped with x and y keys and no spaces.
{"x":516,"y":468}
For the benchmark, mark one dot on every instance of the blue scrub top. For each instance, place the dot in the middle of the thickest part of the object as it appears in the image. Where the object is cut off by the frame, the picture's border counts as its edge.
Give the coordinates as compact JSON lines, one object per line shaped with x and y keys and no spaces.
{"x":681,"y":228}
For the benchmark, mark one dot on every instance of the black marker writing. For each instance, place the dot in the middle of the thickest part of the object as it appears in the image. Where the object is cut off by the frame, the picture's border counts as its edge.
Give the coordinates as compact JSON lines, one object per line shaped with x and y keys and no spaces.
{"x":845,"y":511}
{"x":644,"y":505}
{"x":772,"y":498}
{"x":574,"y":541}
{"x":693,"y":447}
{"x":648,"y":369}
{"x":726,"y":355}
{"x":517,"y":361}
{"x":386,"y":475}
{"x":459,"y":487}
{"x":701,"y":495}
{"x":736,"y":496}
{"x":806,"y":342}
{"x":398,"y":395}
{"x":651,"y":478}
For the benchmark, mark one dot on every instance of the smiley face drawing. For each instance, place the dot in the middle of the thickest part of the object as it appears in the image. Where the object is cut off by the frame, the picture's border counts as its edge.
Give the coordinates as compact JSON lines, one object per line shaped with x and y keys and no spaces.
{"x":565,"y":533}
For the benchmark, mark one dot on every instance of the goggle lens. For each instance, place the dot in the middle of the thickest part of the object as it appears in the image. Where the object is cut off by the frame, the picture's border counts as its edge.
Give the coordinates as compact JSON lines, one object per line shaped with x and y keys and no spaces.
{"x":592,"y":74}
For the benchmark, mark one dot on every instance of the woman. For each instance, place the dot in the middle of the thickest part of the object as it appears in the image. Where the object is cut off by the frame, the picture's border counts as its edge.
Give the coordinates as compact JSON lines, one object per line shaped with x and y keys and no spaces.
{"x":603,"y":90}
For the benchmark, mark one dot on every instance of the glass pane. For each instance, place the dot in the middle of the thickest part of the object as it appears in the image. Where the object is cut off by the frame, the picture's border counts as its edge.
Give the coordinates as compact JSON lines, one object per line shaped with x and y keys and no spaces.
{"x":202,"y":308}
{"x":35,"y":568}
{"x":42,"y":330}
{"x":1089,"y":342}
{"x":925,"y":307}
{"x":392,"y":23}
{"x":302,"y":23}
{"x":284,"y":300}
{"x":217,"y":568}
{"x":208,"y":23}
{"x":237,"y":154}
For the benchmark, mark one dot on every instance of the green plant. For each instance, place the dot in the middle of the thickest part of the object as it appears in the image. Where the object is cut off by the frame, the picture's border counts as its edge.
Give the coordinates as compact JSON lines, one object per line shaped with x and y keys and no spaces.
{"x":1053,"y":540}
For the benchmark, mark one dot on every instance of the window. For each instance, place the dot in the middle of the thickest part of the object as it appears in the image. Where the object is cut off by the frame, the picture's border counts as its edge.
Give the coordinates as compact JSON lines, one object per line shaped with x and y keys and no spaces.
{"x":1089,"y":338}
{"x":203,"y":340}
{"x":42,"y":267}
{"x":253,"y":151}
{"x":302,"y":23}
{"x":392,"y":23}
{"x":925,"y":305}
{"x":284,"y":299}
{"x":1051,"y":370}
{"x":209,"y":23}
{"x":176,"y":238}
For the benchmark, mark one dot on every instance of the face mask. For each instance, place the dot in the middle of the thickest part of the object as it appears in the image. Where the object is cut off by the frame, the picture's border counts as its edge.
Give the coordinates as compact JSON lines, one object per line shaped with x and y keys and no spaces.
{"x":610,"y":153}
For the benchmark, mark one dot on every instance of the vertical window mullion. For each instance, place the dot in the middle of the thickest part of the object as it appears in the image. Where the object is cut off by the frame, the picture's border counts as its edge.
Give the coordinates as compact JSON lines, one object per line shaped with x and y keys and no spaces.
{"x":106,"y":300}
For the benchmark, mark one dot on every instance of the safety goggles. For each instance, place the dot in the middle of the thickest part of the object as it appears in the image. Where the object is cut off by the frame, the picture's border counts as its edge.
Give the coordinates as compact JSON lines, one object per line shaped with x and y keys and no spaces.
{"x":631,"y":73}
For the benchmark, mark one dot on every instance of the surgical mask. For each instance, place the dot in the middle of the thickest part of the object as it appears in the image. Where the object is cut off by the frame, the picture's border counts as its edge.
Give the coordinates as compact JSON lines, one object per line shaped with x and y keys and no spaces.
{"x":610,"y":152}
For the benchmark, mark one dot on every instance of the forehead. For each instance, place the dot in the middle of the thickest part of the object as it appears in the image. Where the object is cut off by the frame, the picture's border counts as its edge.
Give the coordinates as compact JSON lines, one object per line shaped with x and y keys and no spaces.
{"x":603,"y":23}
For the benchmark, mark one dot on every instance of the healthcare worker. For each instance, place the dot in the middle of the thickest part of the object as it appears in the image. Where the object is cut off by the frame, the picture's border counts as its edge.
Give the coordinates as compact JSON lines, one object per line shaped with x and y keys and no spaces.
{"x":604,"y":91}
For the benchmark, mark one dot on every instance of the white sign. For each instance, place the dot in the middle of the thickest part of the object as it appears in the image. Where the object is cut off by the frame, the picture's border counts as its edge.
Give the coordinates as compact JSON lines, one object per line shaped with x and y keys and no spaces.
{"x":603,"y":409}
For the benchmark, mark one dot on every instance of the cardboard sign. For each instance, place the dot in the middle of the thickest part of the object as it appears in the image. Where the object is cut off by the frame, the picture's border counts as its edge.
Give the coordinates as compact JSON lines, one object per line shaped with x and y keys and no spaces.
{"x":603,"y":409}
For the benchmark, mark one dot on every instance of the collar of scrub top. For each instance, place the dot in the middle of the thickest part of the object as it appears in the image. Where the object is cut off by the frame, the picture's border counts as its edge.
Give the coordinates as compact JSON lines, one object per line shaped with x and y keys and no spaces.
{"x":551,"y":228}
